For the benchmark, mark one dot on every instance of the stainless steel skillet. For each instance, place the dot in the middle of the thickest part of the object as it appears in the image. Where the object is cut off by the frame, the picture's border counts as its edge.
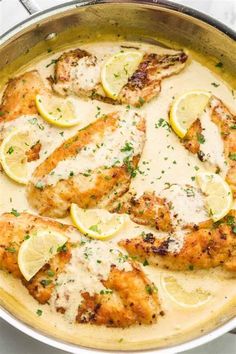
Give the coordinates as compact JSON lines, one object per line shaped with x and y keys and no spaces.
{"x":138,"y":20}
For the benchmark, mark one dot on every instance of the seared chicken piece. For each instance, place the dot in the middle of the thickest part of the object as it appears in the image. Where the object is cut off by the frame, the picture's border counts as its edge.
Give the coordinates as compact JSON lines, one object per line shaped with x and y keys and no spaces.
{"x":19,"y":96}
{"x":13,"y":231}
{"x":93,"y":168}
{"x":145,"y":83}
{"x":226,"y":123}
{"x":78,"y":72}
{"x":127,"y":296}
{"x":137,"y":302}
{"x":211,"y":245}
{"x":148,"y":210}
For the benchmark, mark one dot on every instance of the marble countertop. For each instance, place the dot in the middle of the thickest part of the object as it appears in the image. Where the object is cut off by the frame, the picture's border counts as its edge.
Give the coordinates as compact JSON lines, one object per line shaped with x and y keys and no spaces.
{"x":11,"y":340}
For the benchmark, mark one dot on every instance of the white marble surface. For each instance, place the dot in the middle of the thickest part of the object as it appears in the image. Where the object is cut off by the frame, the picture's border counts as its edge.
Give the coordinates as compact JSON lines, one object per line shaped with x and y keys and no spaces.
{"x":11,"y":340}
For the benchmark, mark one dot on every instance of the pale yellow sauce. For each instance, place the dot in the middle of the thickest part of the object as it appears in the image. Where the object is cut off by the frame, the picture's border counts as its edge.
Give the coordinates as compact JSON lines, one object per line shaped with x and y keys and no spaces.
{"x":164,"y":163}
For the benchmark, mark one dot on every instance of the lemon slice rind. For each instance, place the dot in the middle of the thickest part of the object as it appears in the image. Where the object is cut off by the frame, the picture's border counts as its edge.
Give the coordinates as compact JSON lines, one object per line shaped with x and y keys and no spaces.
{"x":117,"y":70}
{"x":186,"y":109}
{"x":37,"y":250}
{"x":219,"y":197}
{"x":15,"y":162}
{"x":57,"y":111}
{"x":181,"y":297}
{"x":103,"y":224}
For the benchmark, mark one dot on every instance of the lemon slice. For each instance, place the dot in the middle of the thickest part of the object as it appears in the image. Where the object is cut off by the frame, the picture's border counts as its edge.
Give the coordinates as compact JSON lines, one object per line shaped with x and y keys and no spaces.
{"x":57,"y":111}
{"x":37,"y":250}
{"x":185,"y":110}
{"x":219,"y":197}
{"x":13,"y":155}
{"x":183,"y":298}
{"x":117,"y":70}
{"x":96,"y":223}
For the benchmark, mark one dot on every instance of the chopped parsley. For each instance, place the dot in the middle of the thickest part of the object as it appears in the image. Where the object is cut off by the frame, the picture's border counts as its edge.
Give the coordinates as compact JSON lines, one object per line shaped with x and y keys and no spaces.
{"x":230,"y":220}
{"x":39,"y":312}
{"x":127,"y":147}
{"x":145,"y":263}
{"x":50,"y":273}
{"x":95,"y":229}
{"x":45,"y":282}
{"x":62,"y":248}
{"x":39,"y":185}
{"x":33,"y":121}
{"x":105,"y":292}
{"x":53,"y":61}
{"x":232,"y":156}
{"x":150,"y":289}
{"x":141,"y":101}
{"x":190,"y":192}
{"x":15,"y":212}
{"x":10,"y":249}
{"x":219,"y":65}
{"x":162,"y":123}
{"x":132,"y":170}
{"x":10,"y":150}
{"x":200,"y":138}
{"x":215,"y":84}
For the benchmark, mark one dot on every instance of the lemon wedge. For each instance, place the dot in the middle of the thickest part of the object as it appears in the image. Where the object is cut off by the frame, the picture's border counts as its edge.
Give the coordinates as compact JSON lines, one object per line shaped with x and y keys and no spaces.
{"x":57,"y":111}
{"x":13,"y":155}
{"x":218,"y":194}
{"x":117,"y":70}
{"x":185,"y":110}
{"x":181,"y":297}
{"x":37,"y":250}
{"x":96,"y":223}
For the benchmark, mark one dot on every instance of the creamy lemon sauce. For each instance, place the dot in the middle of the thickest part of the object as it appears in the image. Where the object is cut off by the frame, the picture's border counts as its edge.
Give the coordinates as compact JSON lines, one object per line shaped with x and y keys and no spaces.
{"x":167,"y":168}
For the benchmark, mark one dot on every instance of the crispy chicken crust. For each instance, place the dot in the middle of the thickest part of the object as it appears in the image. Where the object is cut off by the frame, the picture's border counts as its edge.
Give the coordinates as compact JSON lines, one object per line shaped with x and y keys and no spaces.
{"x":143,"y":85}
{"x":148,"y":210}
{"x":134,"y":298}
{"x":137,"y":301}
{"x":210,"y":246}
{"x":103,"y":186}
{"x":226,"y":123}
{"x":68,"y":73}
{"x":19,"y":96}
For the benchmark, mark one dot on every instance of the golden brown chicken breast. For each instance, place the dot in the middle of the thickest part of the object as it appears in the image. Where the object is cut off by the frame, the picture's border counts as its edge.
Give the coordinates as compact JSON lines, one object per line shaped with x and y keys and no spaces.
{"x":145,"y":83}
{"x":92,"y":169}
{"x":148,"y":210}
{"x":212,"y":245}
{"x":213,"y":138}
{"x":89,"y":281}
{"x":19,"y":96}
